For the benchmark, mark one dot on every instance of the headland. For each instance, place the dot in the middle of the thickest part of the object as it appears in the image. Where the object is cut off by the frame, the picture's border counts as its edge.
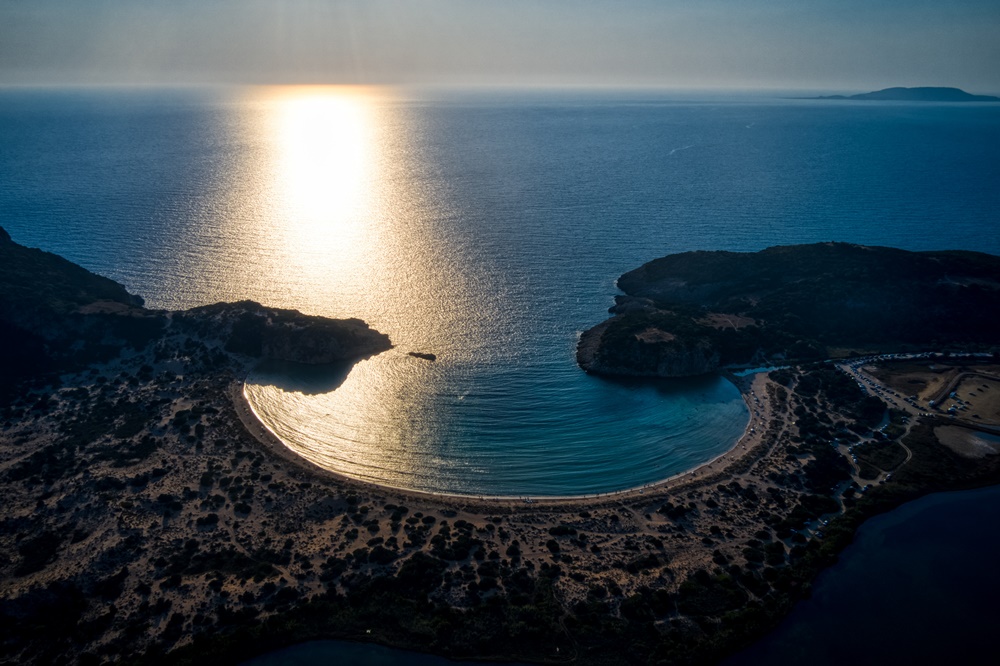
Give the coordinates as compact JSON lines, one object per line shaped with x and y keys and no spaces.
{"x":697,"y":312}
{"x":150,"y":518}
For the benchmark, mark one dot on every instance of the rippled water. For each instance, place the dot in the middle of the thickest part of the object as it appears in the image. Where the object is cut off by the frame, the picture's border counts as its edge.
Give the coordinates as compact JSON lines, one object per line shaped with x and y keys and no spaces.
{"x":485,"y":228}
{"x":537,"y":428}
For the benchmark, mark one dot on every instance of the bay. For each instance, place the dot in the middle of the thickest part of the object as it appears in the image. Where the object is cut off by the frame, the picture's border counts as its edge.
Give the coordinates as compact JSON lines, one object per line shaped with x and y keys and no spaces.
{"x":498,"y":222}
{"x":487,"y":228}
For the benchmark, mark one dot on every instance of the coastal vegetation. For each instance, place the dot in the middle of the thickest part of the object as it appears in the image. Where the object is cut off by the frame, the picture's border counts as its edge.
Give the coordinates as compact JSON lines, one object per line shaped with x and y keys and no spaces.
{"x":150,"y":519}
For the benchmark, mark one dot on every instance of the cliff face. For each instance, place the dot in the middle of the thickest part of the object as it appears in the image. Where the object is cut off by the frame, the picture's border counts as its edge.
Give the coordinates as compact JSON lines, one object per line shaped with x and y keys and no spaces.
{"x":349,"y":339}
{"x":641,"y":356}
{"x":250,"y":329}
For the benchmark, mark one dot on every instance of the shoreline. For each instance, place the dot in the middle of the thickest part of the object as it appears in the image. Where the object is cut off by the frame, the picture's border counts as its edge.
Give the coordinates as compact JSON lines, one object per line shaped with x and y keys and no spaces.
{"x":746,"y":441}
{"x":150,"y":516}
{"x":238,"y":493}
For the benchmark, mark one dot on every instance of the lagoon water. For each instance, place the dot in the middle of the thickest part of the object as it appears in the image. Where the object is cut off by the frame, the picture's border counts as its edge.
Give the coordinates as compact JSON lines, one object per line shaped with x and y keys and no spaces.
{"x":918,"y":586}
{"x":487,"y":228}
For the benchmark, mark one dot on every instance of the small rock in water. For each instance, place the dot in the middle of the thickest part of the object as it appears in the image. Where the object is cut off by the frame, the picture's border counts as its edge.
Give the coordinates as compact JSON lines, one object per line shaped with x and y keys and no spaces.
{"x":424,"y":355}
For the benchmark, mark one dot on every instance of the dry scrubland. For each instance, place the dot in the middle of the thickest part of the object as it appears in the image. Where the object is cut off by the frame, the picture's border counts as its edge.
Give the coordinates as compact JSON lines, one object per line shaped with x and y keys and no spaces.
{"x":149,"y":519}
{"x":144,"y":521}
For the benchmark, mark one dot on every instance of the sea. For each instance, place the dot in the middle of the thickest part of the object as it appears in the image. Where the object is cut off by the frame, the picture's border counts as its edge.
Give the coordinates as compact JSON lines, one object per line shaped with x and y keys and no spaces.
{"x":486,"y":227}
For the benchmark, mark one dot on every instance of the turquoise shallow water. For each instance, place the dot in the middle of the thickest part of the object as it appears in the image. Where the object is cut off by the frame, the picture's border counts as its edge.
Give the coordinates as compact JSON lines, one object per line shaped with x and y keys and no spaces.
{"x":355,"y":654}
{"x":485,"y":228}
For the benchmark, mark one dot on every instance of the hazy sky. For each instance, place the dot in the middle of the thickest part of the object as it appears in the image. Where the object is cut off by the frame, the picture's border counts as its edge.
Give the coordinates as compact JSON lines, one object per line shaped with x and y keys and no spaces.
{"x":820,"y":44}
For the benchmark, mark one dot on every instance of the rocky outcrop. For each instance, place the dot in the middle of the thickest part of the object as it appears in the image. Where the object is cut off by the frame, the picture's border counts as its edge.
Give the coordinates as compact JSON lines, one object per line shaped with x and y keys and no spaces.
{"x":327,"y":341}
{"x":644,"y":355}
{"x":253,"y":330}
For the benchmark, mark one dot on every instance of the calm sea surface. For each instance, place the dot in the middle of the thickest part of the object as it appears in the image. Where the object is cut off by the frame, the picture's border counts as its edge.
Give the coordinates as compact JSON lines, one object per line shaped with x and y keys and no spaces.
{"x":918,"y":586}
{"x":485,"y":228}
{"x":489,"y":230}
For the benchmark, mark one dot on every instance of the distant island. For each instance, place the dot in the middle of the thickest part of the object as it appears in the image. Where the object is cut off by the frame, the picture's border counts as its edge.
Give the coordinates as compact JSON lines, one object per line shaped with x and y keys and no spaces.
{"x":150,"y":518}
{"x":920,"y":94}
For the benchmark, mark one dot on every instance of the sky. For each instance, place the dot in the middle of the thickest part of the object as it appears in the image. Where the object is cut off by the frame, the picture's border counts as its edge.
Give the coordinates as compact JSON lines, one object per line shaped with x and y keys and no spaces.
{"x":839,"y":45}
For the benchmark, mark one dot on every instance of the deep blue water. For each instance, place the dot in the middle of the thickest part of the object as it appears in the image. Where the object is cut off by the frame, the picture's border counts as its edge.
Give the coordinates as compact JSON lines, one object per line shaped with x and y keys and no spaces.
{"x":114,"y":179}
{"x":487,"y":228}
{"x":490,"y":227}
{"x":918,"y":586}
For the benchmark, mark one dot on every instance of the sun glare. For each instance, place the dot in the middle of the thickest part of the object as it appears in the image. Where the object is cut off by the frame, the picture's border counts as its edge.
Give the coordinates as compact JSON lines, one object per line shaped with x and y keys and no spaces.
{"x":324,"y":163}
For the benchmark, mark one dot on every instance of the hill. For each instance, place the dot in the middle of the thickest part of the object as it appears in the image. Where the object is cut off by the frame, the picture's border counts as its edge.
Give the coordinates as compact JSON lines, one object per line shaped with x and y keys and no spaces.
{"x":920,"y":94}
{"x":691,"y":313}
{"x":56,"y":315}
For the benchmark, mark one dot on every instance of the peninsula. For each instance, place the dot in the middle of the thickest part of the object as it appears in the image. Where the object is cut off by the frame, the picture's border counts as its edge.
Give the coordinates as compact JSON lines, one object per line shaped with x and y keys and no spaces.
{"x":695,"y":312}
{"x":149,"y":518}
{"x":920,"y":94}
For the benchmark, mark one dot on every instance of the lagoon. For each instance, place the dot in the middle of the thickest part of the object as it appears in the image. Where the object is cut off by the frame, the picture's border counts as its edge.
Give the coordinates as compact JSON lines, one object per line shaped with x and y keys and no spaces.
{"x":919,"y":585}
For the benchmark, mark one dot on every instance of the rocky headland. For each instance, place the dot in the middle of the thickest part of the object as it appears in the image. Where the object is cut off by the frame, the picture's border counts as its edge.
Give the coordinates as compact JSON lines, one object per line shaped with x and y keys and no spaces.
{"x":695,"y":312}
{"x":56,"y":315}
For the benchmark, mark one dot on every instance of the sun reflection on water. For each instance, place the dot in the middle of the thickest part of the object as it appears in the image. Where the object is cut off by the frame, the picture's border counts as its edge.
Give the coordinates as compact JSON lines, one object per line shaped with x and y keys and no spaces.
{"x":324,"y":176}
{"x":343,"y":214}
{"x":324,"y":163}
{"x":345,"y":220}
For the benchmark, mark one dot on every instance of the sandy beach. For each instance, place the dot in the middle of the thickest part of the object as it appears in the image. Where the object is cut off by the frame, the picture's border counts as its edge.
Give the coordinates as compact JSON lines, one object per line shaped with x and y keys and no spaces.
{"x":179,"y":501}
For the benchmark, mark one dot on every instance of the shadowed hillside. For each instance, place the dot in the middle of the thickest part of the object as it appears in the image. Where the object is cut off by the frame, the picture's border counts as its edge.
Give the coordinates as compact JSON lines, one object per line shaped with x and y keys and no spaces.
{"x":696,"y":311}
{"x":56,"y":315}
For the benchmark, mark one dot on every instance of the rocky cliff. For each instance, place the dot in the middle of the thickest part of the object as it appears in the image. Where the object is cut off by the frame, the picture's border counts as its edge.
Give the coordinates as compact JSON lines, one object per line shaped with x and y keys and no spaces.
{"x":650,"y":353}
{"x":251,"y":329}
